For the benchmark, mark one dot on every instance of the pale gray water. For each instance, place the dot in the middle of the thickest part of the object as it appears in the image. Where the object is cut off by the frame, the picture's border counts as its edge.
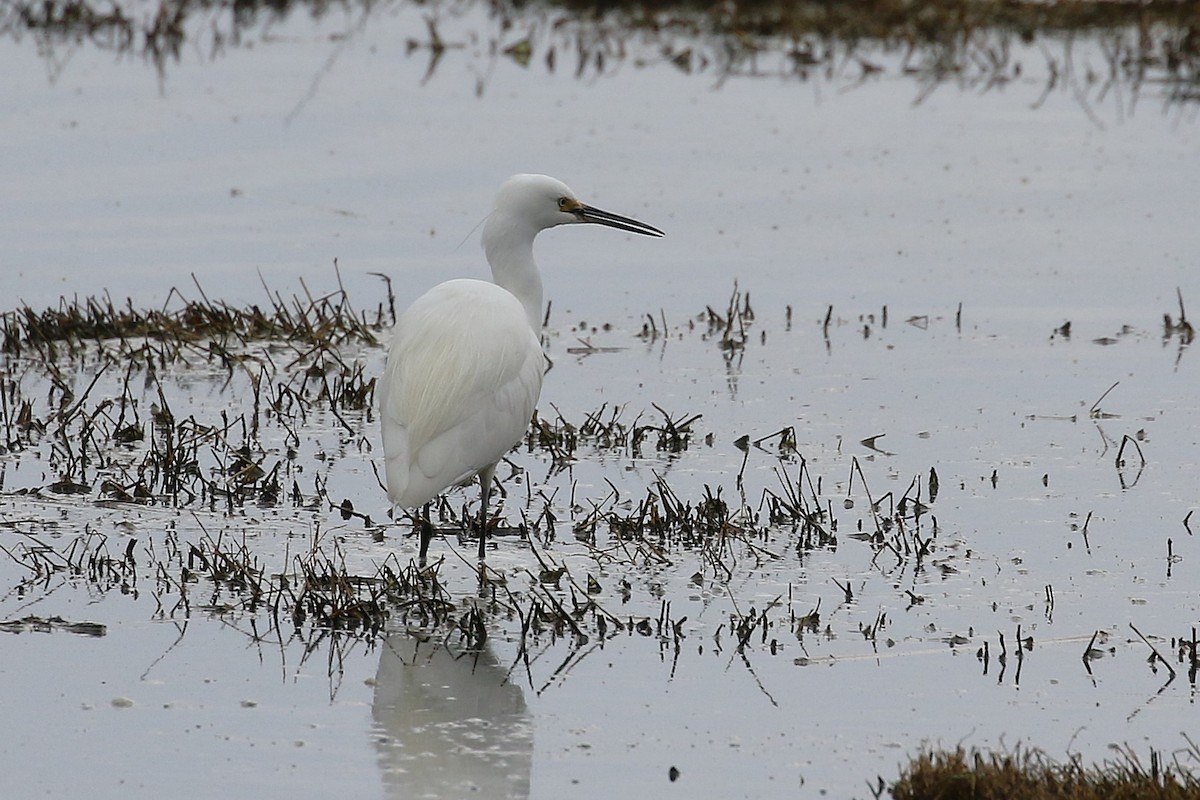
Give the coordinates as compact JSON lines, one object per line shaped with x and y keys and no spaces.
{"x":280,"y":158}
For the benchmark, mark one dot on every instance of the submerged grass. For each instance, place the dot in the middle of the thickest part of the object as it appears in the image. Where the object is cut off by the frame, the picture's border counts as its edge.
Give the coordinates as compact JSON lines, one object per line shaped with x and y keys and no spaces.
{"x":92,"y":395}
{"x":99,"y":416}
{"x":90,"y":391}
{"x":91,"y":384}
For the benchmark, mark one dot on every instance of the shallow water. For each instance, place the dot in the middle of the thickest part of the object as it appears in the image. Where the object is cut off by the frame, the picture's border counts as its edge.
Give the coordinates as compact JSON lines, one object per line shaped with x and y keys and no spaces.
{"x":275,"y":160}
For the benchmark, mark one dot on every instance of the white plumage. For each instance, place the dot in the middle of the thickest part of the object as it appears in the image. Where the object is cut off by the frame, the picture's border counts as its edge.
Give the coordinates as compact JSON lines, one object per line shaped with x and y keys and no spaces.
{"x":435,"y":401}
{"x":465,"y":367}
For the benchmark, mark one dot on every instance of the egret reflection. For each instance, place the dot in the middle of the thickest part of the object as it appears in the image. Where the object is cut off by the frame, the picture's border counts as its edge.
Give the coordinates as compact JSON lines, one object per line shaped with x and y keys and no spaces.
{"x":448,"y":723}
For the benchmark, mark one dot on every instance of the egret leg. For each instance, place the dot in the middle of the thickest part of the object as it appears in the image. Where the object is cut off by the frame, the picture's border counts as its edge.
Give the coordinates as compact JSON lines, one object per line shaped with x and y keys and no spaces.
{"x":426,"y":533}
{"x":485,"y":492}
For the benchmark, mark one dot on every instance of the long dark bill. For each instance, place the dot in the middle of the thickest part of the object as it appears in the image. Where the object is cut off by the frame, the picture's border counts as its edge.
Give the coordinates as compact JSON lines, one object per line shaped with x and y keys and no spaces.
{"x":590,"y":214}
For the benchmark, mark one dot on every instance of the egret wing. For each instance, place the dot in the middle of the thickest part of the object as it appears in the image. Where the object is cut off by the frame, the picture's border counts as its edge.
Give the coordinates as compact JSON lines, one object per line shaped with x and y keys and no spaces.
{"x":463,"y":377}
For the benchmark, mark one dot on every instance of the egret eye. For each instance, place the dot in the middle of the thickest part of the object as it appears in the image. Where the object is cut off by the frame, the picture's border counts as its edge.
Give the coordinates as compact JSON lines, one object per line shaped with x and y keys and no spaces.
{"x":564,"y":204}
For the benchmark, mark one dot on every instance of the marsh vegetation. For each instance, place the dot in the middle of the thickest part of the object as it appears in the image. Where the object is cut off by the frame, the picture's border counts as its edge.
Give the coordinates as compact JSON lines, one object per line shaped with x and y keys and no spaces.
{"x":888,"y":450}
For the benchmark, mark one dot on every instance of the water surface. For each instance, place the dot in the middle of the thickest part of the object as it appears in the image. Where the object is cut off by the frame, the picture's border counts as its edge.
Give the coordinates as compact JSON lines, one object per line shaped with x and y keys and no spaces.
{"x":982,"y":217}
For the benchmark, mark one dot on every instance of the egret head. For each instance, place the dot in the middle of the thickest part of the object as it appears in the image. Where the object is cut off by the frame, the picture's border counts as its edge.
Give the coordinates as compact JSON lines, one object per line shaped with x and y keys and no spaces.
{"x":545,"y":202}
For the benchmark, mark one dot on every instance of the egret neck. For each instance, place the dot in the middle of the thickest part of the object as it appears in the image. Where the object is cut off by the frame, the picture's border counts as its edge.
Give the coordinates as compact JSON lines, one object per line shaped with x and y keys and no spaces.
{"x":508,"y":245}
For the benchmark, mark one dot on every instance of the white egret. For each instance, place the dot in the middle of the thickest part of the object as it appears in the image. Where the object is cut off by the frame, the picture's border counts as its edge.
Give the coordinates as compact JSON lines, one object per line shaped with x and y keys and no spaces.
{"x":464,"y":371}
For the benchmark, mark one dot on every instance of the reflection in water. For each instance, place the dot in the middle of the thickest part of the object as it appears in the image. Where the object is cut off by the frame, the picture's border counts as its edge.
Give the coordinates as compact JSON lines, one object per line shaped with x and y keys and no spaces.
{"x":984,"y":47}
{"x":448,"y":723}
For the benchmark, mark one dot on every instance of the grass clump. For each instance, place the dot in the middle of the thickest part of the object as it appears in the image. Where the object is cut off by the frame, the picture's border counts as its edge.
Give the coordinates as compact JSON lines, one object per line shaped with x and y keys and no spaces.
{"x":1030,"y":774}
{"x":305,"y":323}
